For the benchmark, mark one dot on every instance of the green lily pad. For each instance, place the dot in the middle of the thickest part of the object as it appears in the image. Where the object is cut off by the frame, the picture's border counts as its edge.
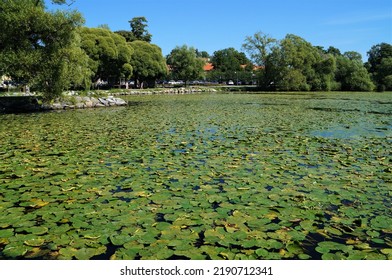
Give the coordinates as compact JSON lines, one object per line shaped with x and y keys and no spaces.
{"x":262,"y":253}
{"x":38,"y":230}
{"x":4,"y":233}
{"x":88,"y":253}
{"x":35,"y":242}
{"x":13,"y":251}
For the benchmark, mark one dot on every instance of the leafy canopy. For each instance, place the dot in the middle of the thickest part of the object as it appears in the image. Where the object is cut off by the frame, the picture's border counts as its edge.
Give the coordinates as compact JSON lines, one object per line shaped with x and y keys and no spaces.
{"x":184,"y":63}
{"x":109,"y":54}
{"x":138,"y":31}
{"x":39,"y":48}
{"x":148,"y":62}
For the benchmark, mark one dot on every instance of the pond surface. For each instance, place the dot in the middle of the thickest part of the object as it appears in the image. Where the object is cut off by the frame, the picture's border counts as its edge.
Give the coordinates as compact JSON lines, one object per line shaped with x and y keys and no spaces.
{"x":222,"y":176}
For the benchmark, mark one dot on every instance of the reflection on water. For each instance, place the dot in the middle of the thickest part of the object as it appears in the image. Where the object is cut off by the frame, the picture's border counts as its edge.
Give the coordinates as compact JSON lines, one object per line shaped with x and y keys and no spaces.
{"x":353,"y":132}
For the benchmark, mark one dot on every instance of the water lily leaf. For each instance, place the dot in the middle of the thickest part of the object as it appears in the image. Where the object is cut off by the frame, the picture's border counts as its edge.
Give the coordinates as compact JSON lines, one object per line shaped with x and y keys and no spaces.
{"x":164,"y":254}
{"x":262,"y":253}
{"x":333,"y":231}
{"x":35,"y":242}
{"x":88,"y":253}
{"x":38,"y":230}
{"x":4,"y":241}
{"x":13,"y":251}
{"x":387,"y":251}
{"x":67,"y":253}
{"x":120,"y":239}
{"x":304,"y":257}
{"x":307,"y":225}
{"x":4,"y":233}
{"x":380,"y":222}
{"x":330,"y":256}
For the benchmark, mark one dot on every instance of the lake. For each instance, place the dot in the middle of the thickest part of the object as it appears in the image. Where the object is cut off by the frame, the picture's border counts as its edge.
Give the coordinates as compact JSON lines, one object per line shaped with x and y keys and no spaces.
{"x":209,"y":176}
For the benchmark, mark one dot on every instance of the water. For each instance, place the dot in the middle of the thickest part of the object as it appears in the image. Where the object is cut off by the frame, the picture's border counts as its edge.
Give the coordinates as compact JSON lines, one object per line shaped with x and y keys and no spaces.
{"x":199,"y":176}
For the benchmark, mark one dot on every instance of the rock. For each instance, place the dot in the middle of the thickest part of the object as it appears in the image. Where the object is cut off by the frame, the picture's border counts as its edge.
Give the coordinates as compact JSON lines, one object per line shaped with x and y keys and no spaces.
{"x":103,"y":101}
{"x":120,"y":102}
{"x":56,"y":106}
{"x":88,"y":104}
{"x":79,"y":105}
{"x":94,"y":101}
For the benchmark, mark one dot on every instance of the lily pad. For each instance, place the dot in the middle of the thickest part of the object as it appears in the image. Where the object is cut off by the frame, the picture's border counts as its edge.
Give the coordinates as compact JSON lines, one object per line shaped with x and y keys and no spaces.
{"x":35,"y":242}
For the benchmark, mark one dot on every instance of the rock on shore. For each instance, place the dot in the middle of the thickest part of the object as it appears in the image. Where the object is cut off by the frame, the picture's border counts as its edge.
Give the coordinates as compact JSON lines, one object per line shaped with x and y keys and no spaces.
{"x":81,"y":102}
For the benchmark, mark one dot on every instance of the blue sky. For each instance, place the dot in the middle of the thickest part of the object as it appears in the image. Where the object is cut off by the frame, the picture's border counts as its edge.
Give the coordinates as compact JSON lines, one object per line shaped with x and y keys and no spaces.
{"x":211,"y":25}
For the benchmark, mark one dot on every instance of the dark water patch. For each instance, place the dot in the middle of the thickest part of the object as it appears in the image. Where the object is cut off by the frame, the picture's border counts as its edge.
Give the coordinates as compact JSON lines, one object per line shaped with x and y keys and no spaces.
{"x":215,"y":205}
{"x":177,"y":258}
{"x":160,"y":217}
{"x":380,"y":113}
{"x":269,"y":188}
{"x":327,"y":109}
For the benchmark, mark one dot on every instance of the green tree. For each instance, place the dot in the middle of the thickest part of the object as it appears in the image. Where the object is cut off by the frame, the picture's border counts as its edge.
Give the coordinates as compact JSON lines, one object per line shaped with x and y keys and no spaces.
{"x":379,"y":65}
{"x":351,"y":74}
{"x":138,"y":31}
{"x":109,"y":54}
{"x":297,"y":65}
{"x":202,"y":54}
{"x":229,"y":60}
{"x":184,"y":63}
{"x":334,"y":51}
{"x":260,"y":48}
{"x":39,"y":48}
{"x":148,"y":63}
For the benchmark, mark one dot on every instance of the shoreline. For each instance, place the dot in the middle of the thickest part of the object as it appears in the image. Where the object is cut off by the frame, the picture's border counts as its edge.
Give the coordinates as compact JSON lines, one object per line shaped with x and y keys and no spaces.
{"x":31,"y":102}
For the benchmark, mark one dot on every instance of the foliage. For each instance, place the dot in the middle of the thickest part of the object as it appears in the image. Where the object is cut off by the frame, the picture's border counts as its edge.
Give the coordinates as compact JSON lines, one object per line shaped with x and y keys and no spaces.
{"x":39,"y":48}
{"x":148,"y":63}
{"x":109,"y":54}
{"x":184,"y":63}
{"x":138,"y":30}
{"x":202,"y":54}
{"x":380,"y":65}
{"x":260,"y":48}
{"x":229,"y":60}
{"x":294,"y":64}
{"x":351,"y":74}
{"x":230,"y":64}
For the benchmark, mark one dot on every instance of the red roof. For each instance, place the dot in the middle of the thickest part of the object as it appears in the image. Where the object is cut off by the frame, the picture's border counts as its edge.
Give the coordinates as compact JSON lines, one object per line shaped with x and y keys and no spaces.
{"x":208,"y":67}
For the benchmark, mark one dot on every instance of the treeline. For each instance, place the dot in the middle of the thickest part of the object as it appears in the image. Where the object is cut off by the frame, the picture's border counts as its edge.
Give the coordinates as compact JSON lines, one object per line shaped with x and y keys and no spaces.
{"x":54,"y":51}
{"x":294,"y":64}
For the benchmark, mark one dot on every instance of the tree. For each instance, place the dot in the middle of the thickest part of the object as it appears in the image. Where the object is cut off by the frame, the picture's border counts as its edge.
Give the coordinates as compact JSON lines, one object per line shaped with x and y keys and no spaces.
{"x":334,"y":51}
{"x":39,"y":48}
{"x":354,"y":56}
{"x":351,"y":74}
{"x":260,"y":47}
{"x":229,"y":59}
{"x":109,"y":54}
{"x":230,"y":64}
{"x":295,"y":64}
{"x":138,"y":30}
{"x":379,"y":65}
{"x":148,"y":63}
{"x":202,"y":54}
{"x":184,"y":63}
